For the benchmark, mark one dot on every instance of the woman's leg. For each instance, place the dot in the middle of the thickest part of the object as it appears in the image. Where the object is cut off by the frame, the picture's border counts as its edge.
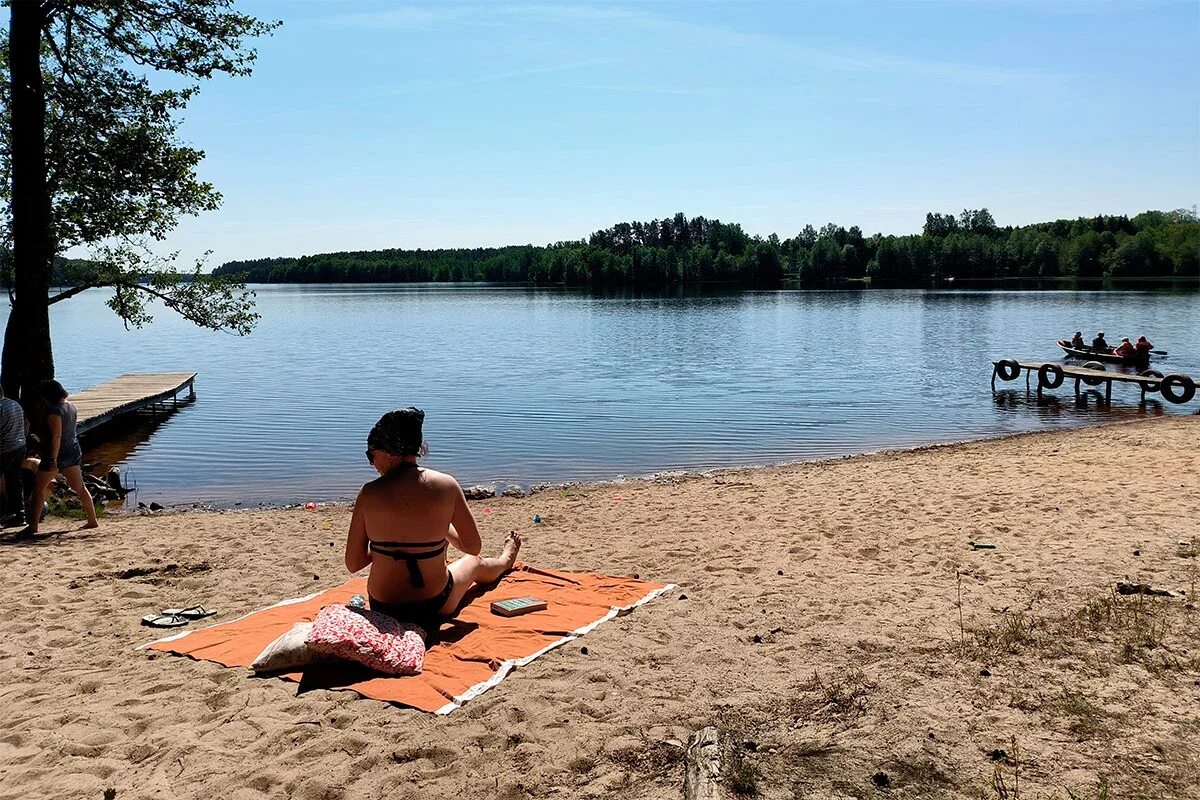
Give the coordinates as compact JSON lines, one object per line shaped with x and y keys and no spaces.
{"x":41,"y":491}
{"x":470,"y":570}
{"x":74,"y":476}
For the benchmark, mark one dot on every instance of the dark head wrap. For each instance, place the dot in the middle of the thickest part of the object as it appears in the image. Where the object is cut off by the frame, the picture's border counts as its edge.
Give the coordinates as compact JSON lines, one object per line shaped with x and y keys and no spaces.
{"x":398,"y":433}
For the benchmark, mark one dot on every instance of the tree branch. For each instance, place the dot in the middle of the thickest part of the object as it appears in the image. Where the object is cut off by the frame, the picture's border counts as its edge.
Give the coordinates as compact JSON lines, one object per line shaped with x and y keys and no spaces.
{"x":69,"y":293}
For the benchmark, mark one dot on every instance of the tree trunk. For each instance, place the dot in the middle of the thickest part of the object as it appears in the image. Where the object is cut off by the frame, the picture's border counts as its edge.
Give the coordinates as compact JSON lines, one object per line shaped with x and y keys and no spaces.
{"x":27,"y":357}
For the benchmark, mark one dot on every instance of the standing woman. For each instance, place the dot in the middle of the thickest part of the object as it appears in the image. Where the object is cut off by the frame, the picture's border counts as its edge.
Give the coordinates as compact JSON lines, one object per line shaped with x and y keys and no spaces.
{"x":61,"y":452}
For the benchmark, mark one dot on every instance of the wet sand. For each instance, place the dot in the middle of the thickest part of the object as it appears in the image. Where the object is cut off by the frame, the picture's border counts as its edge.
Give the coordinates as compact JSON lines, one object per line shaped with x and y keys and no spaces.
{"x":817,"y":620}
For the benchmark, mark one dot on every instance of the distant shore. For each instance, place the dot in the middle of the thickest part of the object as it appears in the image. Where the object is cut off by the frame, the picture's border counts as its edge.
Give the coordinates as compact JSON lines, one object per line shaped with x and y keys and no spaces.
{"x":817,"y":617}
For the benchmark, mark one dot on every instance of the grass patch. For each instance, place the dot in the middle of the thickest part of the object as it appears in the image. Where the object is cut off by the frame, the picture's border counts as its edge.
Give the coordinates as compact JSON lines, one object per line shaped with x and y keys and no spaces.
{"x":1005,"y":783}
{"x":1140,"y":627}
{"x":740,"y":773}
{"x":1086,"y":720}
{"x":843,"y":696}
{"x":1155,"y":632}
{"x":1014,"y":632}
{"x":1101,"y":792}
{"x":582,"y":765}
{"x":69,"y":507}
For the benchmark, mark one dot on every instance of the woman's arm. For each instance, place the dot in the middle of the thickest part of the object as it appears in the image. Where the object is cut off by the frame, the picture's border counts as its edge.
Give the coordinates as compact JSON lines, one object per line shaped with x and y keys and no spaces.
{"x":54,"y":423}
{"x":358,"y":553}
{"x":463,"y":533}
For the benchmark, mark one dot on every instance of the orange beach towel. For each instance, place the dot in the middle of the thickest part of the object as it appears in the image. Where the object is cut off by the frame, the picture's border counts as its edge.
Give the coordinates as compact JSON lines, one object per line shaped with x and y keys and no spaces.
{"x":472,"y":654}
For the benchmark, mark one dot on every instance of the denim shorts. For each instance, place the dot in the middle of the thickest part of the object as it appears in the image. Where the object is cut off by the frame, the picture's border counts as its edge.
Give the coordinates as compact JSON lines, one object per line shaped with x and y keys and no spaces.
{"x":69,"y":455}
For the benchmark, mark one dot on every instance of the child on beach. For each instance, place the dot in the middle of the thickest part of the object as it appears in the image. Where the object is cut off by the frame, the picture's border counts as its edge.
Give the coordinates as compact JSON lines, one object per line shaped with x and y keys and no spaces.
{"x":404,"y":521}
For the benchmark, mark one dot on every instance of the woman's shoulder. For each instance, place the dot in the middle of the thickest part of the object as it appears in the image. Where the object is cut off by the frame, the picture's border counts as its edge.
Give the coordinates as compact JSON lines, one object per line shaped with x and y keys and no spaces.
{"x":436,"y":478}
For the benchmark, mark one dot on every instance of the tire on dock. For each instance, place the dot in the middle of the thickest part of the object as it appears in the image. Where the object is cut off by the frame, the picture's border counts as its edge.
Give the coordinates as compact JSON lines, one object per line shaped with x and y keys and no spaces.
{"x":1096,"y":365}
{"x":1186,"y":386}
{"x":1050,"y":376}
{"x":1151,"y":373}
{"x":1008,"y":369}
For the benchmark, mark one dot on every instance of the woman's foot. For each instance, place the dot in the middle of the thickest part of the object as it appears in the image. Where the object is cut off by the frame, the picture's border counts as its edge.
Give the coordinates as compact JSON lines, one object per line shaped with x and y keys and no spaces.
{"x":512,"y":544}
{"x":90,"y":525}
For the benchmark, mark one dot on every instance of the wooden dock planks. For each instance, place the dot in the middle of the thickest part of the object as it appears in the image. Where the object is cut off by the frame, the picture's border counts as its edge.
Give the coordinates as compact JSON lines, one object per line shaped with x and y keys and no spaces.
{"x":1084,"y":372}
{"x":128,"y":393}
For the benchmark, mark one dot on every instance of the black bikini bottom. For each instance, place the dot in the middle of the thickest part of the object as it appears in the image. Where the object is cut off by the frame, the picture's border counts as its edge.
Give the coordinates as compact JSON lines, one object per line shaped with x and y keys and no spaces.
{"x":427,"y":613}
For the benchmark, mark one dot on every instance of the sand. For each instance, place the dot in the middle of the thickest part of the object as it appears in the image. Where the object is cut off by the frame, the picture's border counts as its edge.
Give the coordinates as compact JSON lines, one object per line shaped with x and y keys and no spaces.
{"x":817,"y":620}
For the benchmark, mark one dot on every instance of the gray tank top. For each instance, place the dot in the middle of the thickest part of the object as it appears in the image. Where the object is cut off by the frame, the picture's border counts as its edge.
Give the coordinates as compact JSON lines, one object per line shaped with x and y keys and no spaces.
{"x":69,"y":417}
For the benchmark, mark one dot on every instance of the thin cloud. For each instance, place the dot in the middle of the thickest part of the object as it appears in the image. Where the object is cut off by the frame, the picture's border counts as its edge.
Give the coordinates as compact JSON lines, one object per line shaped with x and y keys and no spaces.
{"x":438,"y":85}
{"x":670,"y":28}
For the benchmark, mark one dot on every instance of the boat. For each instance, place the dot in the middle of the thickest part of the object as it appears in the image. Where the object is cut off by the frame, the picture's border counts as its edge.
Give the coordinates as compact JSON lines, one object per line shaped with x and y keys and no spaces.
{"x":1088,"y":354}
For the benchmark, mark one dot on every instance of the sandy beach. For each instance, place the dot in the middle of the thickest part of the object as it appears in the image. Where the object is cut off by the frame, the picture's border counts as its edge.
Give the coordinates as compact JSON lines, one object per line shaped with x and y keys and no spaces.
{"x":817,"y":620}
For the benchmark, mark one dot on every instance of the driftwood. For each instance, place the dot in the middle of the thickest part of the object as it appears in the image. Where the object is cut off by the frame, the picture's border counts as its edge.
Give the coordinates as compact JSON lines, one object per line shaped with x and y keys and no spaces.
{"x":702,"y":766}
{"x":1142,"y":588}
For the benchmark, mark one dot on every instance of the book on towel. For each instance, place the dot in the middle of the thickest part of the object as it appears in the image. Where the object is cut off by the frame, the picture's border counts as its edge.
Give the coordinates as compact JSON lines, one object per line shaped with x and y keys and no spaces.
{"x":518,"y":606}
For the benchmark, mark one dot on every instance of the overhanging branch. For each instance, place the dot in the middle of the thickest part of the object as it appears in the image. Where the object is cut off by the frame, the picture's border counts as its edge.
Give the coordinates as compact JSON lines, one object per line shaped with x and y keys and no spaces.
{"x":69,"y":293}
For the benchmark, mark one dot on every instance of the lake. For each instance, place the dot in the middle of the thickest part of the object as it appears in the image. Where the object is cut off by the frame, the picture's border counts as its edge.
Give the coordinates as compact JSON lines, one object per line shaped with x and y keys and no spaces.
{"x":525,"y":385}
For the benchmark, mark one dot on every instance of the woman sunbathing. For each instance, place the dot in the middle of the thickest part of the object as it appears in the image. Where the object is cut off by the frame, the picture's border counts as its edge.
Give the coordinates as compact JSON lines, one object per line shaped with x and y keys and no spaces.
{"x":402,"y":524}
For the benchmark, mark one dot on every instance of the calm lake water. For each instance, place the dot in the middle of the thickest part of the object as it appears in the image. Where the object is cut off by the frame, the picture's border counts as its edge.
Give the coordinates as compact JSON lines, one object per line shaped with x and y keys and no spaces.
{"x":529,"y":385}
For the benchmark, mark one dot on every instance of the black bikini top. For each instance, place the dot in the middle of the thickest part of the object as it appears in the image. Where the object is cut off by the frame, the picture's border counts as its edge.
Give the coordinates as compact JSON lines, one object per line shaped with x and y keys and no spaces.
{"x":400,"y":551}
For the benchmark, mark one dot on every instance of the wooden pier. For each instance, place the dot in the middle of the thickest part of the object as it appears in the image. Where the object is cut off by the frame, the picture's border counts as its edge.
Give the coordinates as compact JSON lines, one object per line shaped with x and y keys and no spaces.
{"x":130,"y":393}
{"x":1176,"y":388}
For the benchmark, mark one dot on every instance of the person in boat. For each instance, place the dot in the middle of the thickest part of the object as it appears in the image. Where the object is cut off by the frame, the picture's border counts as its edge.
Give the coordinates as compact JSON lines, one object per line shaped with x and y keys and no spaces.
{"x":1099,"y":344}
{"x":1077,"y":342}
{"x":402,"y":524}
{"x":1143,"y":348}
{"x":1125,"y":349}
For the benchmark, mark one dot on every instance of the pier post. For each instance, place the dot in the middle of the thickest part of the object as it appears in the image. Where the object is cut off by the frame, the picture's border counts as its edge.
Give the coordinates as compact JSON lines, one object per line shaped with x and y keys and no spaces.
{"x":1108,"y":392}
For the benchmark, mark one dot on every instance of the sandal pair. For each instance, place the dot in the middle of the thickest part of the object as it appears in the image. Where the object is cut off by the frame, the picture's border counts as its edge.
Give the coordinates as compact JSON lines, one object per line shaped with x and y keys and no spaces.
{"x":176,"y":617}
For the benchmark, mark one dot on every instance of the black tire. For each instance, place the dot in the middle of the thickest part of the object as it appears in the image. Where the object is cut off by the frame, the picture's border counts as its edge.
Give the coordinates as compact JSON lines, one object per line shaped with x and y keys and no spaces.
{"x":1186,"y":384}
{"x":1050,"y":376}
{"x":1094,"y":365}
{"x":1151,"y":373}
{"x":1008,"y":370}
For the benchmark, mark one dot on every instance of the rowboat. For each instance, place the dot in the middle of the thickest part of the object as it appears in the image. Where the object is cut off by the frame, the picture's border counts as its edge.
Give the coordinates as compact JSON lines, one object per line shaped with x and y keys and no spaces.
{"x":1088,"y":354}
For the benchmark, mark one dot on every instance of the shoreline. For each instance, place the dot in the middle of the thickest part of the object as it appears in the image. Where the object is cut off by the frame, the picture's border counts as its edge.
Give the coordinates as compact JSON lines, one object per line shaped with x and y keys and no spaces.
{"x":832,"y":614}
{"x":657,"y":477}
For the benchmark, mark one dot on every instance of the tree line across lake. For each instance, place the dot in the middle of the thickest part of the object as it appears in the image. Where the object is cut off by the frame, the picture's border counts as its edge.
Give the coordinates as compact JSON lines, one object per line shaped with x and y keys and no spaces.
{"x":680,"y":250}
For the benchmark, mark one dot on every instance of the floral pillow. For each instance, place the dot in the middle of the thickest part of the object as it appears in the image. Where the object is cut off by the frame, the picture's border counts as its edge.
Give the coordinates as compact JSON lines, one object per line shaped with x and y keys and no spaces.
{"x":372,"y":639}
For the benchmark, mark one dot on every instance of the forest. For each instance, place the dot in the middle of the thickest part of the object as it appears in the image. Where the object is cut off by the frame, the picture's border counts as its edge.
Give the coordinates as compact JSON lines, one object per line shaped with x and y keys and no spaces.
{"x":678,"y":250}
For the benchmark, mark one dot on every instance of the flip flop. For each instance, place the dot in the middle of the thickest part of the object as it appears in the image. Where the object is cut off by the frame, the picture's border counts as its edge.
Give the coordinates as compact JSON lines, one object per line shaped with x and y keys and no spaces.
{"x":164,"y":621}
{"x":191,"y":612}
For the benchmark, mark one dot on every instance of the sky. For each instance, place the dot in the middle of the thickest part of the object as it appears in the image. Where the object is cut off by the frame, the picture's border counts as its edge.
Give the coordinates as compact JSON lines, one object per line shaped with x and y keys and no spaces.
{"x":370,"y":125}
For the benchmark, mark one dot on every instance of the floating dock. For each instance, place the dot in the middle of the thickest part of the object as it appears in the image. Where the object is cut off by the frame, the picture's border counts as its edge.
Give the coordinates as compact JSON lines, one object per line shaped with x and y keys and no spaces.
{"x":129,"y":393}
{"x":1176,"y":388}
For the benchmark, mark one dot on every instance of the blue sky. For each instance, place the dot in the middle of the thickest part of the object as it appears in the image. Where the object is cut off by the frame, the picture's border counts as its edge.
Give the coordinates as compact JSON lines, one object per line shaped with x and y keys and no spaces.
{"x":389,"y":124}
